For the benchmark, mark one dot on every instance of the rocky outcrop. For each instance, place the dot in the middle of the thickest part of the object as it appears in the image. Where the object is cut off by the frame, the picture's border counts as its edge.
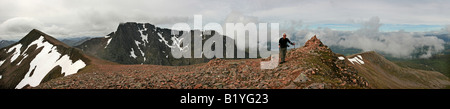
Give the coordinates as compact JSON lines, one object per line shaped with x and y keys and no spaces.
{"x":322,"y":63}
{"x":315,"y":44}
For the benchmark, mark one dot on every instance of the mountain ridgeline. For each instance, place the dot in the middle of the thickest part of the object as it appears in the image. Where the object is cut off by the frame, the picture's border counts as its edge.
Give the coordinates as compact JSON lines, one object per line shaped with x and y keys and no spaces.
{"x":312,"y":66}
{"x":38,"y":58}
{"x":144,"y":43}
{"x":384,"y":74}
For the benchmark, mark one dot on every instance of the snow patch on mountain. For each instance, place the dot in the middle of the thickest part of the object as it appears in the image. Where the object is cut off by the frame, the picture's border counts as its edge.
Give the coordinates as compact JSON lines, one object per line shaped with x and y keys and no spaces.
{"x":144,"y":37}
{"x":16,"y":53}
{"x":1,"y":62}
{"x":107,"y":43}
{"x":137,"y":44}
{"x":132,"y":53}
{"x":45,"y":61}
{"x":341,"y":58}
{"x":176,"y":42}
{"x":357,"y":59}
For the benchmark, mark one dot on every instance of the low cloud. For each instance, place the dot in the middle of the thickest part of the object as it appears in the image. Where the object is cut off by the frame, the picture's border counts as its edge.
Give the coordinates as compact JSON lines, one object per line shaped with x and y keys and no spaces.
{"x":13,"y":26}
{"x":20,"y":26}
{"x":238,"y":17}
{"x":446,"y":30}
{"x":398,"y":44}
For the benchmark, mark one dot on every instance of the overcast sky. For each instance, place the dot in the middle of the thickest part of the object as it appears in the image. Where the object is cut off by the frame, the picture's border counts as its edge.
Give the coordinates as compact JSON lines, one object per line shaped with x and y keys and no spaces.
{"x":74,"y":18}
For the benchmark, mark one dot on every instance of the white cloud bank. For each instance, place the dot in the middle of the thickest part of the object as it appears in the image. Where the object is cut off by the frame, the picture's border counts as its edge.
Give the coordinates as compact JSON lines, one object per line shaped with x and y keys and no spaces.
{"x":399,"y":44}
{"x":77,"y":18}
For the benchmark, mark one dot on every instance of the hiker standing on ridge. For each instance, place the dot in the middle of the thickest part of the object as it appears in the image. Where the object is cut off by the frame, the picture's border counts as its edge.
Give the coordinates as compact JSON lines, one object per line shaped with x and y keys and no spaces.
{"x":282,"y":44}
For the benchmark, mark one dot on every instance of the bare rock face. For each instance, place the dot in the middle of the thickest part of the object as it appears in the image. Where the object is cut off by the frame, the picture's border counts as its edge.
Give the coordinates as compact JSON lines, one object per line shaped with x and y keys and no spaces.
{"x":144,"y":43}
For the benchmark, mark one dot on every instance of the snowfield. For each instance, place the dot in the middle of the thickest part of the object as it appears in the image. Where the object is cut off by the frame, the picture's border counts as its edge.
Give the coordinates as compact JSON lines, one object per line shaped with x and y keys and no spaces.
{"x":45,"y":61}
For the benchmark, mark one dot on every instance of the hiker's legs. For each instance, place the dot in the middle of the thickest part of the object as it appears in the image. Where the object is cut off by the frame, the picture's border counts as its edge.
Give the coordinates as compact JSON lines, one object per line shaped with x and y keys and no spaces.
{"x":283,"y":54}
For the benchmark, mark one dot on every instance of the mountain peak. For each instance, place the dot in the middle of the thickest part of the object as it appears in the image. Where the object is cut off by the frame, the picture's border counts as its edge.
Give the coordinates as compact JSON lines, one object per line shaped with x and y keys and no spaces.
{"x":37,"y":31}
{"x":37,"y":58}
{"x":36,"y":34}
{"x":315,"y":44}
{"x":136,"y":24}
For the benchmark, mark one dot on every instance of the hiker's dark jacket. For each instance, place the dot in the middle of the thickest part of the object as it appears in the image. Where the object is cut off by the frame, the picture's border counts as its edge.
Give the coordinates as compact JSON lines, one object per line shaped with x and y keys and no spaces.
{"x":283,"y":43}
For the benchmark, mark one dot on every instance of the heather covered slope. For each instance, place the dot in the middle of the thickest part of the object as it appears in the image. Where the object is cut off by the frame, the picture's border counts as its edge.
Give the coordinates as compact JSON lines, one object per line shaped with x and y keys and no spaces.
{"x":382,"y":73}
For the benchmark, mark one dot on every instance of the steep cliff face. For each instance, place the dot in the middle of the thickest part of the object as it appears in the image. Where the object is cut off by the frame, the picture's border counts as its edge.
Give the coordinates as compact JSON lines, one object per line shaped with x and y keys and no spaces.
{"x":144,"y":43}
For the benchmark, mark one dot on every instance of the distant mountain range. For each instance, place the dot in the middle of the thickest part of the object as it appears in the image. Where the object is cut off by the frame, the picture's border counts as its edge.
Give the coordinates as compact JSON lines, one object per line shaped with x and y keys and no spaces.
{"x":4,"y":43}
{"x":75,"y":41}
{"x":69,"y":41}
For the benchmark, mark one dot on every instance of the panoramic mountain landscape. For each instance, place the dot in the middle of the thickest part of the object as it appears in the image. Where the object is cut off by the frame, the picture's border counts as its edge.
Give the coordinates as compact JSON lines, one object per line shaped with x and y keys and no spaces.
{"x":40,"y":61}
{"x":224,"y":53}
{"x":107,"y":44}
